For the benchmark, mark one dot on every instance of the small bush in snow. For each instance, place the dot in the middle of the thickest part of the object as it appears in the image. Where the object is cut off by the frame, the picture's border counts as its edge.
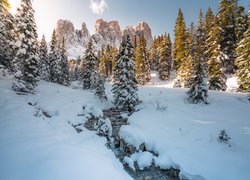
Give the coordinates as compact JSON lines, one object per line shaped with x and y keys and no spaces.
{"x":224,"y":137}
{"x":161,"y":107}
{"x":177,"y":83}
{"x":100,"y":89}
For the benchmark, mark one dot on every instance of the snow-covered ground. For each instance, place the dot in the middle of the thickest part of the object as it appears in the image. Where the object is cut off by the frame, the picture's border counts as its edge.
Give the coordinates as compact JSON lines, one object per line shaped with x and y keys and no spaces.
{"x":186,"y":135}
{"x":33,"y":146}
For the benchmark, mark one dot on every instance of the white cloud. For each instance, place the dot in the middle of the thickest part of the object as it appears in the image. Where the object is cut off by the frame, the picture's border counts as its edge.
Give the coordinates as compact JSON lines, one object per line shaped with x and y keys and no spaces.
{"x":98,"y":7}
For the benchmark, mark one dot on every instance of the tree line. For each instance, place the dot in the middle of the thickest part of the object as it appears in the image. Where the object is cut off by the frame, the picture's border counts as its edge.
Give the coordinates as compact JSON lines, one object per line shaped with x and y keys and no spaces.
{"x":216,"y":46}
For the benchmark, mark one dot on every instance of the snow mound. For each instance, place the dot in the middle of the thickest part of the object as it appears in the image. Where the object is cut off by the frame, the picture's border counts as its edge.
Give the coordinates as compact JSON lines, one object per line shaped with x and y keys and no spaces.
{"x":232,"y":84}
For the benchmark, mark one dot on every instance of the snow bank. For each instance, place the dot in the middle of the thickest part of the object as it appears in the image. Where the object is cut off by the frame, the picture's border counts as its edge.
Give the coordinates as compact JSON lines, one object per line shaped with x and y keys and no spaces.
{"x":39,"y":147}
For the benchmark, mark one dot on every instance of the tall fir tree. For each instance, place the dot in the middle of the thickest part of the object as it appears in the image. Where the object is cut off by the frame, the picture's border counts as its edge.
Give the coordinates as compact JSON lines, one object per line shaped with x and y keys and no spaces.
{"x":165,"y":59}
{"x":44,"y":68}
{"x":208,"y":25}
{"x":100,"y":88}
{"x":198,"y":92}
{"x":9,"y":22}
{"x":63,"y":65}
{"x":4,"y":43}
{"x":26,"y":59}
{"x":125,"y":85}
{"x":227,"y":27}
{"x":185,"y":72}
{"x":241,"y":23}
{"x":154,"y":54}
{"x":89,"y":72}
{"x":200,"y":39}
{"x":217,"y":78}
{"x":243,"y":61}
{"x":3,"y":40}
{"x":142,"y":62}
{"x":54,"y":58}
{"x":198,"y":89}
{"x":180,"y":41}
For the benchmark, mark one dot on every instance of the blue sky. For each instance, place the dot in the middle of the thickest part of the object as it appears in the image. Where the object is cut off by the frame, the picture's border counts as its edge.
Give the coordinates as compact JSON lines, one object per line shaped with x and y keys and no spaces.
{"x":159,"y":14}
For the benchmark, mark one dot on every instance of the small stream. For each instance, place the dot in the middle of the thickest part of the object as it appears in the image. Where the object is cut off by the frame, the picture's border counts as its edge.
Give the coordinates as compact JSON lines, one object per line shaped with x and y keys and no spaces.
{"x":122,"y":149}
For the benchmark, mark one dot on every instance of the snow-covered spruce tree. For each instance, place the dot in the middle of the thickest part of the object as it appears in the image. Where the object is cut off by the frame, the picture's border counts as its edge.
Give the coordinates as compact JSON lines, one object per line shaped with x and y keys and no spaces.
{"x":165,"y":59}
{"x":185,"y":71}
{"x":227,"y":27}
{"x":125,"y":84}
{"x":241,"y":23}
{"x":63,"y":70}
{"x":100,"y":88}
{"x":243,"y":61}
{"x":26,"y":75}
{"x":198,"y":91}
{"x":44,"y":60}
{"x":180,"y":42}
{"x":3,"y":40}
{"x":5,"y":49}
{"x":214,"y":55}
{"x":208,"y":25}
{"x":200,"y":41}
{"x":54,"y":59}
{"x":10,"y":35}
{"x":89,"y":71}
{"x":142,"y":62}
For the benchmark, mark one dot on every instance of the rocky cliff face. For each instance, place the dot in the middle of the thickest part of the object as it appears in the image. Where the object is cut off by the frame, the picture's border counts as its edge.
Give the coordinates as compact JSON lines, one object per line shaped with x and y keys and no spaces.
{"x":105,"y":33}
{"x":138,"y":30}
{"x":110,"y":31}
{"x":75,"y":40}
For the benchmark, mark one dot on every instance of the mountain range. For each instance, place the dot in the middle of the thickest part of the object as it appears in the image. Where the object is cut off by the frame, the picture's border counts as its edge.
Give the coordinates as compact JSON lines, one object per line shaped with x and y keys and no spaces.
{"x":105,"y":33}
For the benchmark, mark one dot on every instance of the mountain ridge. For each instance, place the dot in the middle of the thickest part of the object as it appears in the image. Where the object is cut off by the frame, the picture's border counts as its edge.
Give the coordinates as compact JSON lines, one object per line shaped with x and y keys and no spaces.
{"x":105,"y":33}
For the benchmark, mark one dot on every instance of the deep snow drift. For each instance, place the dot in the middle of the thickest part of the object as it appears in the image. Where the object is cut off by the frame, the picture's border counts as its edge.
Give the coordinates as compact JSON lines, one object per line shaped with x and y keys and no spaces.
{"x":37,"y":146}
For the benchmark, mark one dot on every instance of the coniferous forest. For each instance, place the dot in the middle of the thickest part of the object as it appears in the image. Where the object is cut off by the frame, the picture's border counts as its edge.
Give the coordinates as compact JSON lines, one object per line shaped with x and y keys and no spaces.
{"x":214,"y":47}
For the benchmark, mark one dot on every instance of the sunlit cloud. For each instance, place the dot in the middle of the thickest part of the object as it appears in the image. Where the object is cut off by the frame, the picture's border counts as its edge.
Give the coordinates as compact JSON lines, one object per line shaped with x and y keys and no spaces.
{"x":98,"y":7}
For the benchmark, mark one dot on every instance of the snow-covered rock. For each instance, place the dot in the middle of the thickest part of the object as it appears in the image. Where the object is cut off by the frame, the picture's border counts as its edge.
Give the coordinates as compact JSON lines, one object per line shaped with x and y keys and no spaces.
{"x":143,"y":159}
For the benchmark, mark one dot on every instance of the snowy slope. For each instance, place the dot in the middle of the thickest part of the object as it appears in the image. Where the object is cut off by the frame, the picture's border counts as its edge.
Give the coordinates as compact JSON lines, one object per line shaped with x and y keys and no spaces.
{"x":36,"y":147}
{"x":185,"y":135}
